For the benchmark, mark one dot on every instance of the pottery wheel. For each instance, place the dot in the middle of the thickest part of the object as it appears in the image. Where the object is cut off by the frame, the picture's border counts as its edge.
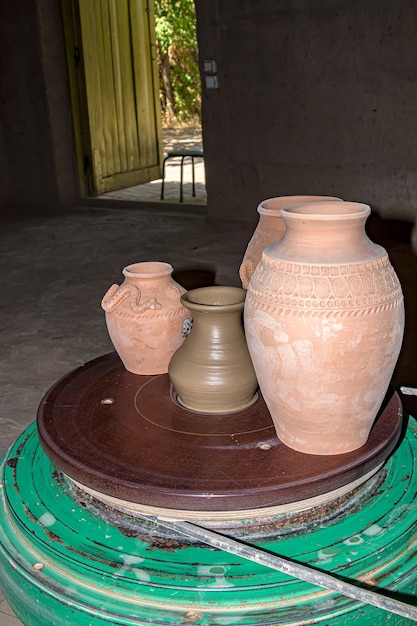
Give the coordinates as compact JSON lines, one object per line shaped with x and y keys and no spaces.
{"x":124,"y":435}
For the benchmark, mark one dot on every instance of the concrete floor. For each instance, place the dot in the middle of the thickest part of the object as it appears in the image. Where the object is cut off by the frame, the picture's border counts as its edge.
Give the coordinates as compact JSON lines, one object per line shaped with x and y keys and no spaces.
{"x":56,"y":268}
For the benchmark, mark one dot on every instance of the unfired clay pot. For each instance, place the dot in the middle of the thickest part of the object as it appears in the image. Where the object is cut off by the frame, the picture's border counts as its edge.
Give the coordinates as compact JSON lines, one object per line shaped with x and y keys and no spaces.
{"x":145,"y":317}
{"x":324,"y":322}
{"x":212,"y":371}
{"x":270,"y":228}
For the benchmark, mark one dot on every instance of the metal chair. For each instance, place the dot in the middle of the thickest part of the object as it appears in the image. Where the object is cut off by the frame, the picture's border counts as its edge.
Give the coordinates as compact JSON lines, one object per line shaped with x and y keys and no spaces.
{"x":182,"y":154}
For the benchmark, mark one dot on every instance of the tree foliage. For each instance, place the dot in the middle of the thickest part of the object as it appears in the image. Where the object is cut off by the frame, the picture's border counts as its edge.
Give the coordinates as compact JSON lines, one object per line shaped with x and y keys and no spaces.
{"x":177,"y":52}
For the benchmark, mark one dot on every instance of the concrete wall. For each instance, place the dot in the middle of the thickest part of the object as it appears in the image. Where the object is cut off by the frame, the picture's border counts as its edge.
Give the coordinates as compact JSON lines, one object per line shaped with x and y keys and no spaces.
{"x":35,"y":116}
{"x":314,"y":97}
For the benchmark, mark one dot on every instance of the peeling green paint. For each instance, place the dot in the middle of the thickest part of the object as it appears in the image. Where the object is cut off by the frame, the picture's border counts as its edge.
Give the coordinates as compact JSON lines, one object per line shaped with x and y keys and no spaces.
{"x":67,"y":559}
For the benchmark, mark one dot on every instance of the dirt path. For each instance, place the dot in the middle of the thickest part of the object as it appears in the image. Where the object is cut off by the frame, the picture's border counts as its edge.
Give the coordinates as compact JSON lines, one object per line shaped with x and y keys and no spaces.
{"x":184,"y":138}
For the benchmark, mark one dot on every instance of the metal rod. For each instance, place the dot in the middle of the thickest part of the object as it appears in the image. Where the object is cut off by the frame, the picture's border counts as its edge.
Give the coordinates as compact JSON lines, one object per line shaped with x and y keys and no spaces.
{"x":409,"y":391}
{"x":291,"y":568}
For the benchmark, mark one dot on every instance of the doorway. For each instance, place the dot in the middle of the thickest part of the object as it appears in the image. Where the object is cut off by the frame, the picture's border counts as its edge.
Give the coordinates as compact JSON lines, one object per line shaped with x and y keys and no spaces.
{"x":116,"y":102}
{"x":187,"y":137}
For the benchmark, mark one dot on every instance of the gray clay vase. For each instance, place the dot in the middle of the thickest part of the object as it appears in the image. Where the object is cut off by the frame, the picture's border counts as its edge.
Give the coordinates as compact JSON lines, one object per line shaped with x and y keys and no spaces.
{"x":212,"y":371}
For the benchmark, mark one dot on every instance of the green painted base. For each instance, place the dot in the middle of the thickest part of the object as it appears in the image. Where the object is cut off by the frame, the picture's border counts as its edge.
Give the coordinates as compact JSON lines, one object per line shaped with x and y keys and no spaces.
{"x":66,"y":559}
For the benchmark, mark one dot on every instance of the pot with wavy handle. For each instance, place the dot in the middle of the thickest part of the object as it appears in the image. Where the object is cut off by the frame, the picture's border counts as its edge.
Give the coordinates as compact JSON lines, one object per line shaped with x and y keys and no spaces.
{"x":270,"y":228}
{"x":145,"y":318}
{"x":324,"y":320}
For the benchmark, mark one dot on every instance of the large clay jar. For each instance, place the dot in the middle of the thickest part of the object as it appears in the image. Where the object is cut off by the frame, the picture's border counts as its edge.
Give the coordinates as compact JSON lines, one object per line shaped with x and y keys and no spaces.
{"x":212,"y":371}
{"x":324,"y":321}
{"x":270,"y":228}
{"x":145,"y":317}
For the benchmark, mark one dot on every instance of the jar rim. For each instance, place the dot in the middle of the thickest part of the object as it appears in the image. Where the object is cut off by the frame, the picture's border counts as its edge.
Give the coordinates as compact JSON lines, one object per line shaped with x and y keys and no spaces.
{"x":326,"y":211}
{"x":273,"y":206}
{"x":147,"y":269}
{"x":214,"y":297}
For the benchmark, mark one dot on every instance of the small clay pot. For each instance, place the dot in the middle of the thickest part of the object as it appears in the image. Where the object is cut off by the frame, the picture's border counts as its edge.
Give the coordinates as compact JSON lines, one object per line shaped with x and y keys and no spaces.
{"x":145,"y":317}
{"x":212,"y":371}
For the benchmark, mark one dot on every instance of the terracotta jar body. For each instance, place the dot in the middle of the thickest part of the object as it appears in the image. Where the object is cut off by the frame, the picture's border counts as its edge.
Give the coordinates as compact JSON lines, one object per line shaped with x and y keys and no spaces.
{"x":270,"y":228}
{"x":212,"y":371}
{"x":145,"y":317}
{"x":324,"y":321}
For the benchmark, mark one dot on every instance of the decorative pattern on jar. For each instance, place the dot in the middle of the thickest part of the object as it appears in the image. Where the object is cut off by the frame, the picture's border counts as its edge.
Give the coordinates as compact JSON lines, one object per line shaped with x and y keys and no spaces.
{"x":324,"y":320}
{"x":145,"y":318}
{"x":270,"y":228}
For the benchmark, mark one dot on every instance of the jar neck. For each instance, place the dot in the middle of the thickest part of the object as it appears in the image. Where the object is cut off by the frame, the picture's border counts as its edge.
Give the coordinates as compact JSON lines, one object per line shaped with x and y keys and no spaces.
{"x":214,"y":300}
{"x":318,"y":234}
{"x":147,"y":271}
{"x":215,"y":310}
{"x":217,"y":327}
{"x":205,"y":309}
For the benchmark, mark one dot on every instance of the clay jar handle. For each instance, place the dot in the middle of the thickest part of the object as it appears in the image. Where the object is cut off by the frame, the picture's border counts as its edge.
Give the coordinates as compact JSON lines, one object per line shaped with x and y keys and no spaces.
{"x":116,"y":295}
{"x":246,"y":271}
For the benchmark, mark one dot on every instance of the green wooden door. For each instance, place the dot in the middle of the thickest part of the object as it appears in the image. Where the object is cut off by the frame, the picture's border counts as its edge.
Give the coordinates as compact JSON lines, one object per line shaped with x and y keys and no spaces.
{"x":122,"y":135}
